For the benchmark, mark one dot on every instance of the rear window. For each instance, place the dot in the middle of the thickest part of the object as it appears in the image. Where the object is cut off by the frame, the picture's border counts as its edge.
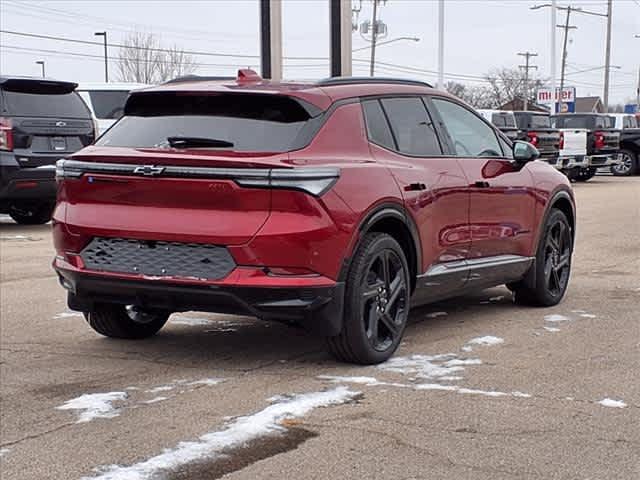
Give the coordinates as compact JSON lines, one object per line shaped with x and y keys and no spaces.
{"x":531,"y":120}
{"x":251,"y":122}
{"x":23,"y":104}
{"x":574,"y":121}
{"x":503,"y":120}
{"x":108,"y":104}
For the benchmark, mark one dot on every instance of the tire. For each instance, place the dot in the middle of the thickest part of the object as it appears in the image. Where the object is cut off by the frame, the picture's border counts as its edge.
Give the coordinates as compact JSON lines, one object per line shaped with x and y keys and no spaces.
{"x":31,"y":214}
{"x":628,"y":166}
{"x":552,"y":265}
{"x":376,"y":302}
{"x":585,"y":174}
{"x":119,"y":321}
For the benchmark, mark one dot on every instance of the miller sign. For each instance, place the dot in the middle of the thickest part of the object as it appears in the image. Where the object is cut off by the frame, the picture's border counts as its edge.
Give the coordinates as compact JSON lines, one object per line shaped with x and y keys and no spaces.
{"x":545,"y":97}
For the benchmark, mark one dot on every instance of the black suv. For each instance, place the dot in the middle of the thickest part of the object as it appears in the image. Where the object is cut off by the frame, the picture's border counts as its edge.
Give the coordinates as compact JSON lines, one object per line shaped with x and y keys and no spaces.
{"x":41,"y":121}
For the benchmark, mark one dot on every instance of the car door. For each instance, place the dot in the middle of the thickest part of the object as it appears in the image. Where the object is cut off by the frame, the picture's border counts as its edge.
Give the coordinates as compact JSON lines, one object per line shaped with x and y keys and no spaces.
{"x":433,"y":186}
{"x":501,"y":193}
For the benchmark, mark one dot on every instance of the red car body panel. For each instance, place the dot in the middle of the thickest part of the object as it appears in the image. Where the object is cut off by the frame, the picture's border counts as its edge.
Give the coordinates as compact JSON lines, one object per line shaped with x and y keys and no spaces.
{"x":284,"y":238}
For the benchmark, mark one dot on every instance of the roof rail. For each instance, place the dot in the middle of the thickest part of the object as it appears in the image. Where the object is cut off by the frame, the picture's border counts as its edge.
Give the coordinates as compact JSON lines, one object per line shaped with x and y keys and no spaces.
{"x":196,"y":78}
{"x":369,"y":80}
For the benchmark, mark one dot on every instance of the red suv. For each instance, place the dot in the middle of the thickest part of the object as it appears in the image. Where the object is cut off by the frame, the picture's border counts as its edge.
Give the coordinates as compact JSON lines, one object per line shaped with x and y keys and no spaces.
{"x":336,"y":205}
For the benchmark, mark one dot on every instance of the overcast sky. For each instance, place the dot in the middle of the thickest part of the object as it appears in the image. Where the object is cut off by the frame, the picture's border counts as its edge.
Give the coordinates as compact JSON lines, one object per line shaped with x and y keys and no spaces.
{"x":479,"y":35}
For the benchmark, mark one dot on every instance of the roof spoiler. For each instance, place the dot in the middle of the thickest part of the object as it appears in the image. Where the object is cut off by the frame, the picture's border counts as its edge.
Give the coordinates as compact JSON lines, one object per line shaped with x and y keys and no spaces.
{"x":38,"y":86}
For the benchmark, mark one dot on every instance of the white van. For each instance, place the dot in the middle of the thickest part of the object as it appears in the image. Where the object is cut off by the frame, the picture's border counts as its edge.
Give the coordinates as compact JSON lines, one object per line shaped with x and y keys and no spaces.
{"x":106,"y":101}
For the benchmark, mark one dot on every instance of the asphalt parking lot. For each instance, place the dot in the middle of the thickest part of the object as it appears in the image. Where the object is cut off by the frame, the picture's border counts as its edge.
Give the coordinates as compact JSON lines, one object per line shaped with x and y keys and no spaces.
{"x":480,"y":388}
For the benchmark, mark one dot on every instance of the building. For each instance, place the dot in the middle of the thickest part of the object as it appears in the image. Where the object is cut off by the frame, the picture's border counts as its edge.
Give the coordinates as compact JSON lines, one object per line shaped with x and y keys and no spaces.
{"x":589,"y":105}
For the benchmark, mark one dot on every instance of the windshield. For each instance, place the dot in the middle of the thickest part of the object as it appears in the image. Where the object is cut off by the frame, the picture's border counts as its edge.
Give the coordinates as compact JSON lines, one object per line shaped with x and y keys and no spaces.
{"x":251,"y":123}
{"x":573,"y":121}
{"x":108,"y":104}
{"x":22,"y":104}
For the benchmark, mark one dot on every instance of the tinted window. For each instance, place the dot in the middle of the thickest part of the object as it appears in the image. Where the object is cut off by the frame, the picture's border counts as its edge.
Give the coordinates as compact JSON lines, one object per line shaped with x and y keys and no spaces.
{"x":470,"y":135}
{"x":503,"y":120}
{"x":633,"y":122}
{"x":532,"y":120}
{"x":412,"y":128}
{"x":262,"y":123}
{"x":377,"y":125}
{"x":23,"y":104}
{"x":108,"y":104}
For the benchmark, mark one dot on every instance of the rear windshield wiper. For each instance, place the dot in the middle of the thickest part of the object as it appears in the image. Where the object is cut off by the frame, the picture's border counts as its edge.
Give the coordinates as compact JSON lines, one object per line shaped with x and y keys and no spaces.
{"x":197,"y":142}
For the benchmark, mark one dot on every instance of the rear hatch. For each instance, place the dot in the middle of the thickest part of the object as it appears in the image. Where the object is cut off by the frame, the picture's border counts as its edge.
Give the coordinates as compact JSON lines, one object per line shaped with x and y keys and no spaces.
{"x":48,"y":120}
{"x":183,"y":167}
{"x":537,"y":130}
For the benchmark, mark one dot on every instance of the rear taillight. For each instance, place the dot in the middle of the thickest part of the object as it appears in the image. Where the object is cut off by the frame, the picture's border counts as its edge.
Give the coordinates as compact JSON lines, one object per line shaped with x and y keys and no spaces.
{"x":6,"y":134}
{"x":533,"y":138}
{"x":599,"y":140}
{"x":561,"y":143}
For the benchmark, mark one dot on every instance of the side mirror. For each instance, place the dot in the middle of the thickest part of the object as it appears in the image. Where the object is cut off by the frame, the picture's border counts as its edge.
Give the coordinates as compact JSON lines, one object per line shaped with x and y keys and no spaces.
{"x":524,"y":152}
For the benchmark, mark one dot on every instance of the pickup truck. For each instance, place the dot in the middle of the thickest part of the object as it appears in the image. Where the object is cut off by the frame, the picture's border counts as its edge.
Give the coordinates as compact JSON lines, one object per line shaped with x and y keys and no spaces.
{"x":503,"y":120}
{"x":535,"y":128}
{"x":629,"y":156}
{"x":589,"y":143}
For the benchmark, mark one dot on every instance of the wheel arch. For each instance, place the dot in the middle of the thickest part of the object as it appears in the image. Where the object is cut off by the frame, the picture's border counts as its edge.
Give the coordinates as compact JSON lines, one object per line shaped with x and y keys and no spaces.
{"x":392,"y":219}
{"x":563,"y":201}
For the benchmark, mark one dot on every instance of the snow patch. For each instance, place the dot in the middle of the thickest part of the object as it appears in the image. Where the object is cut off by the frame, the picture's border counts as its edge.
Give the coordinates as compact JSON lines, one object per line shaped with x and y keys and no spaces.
{"x":155,"y":400}
{"x":161,"y":388}
{"x":588,"y":315}
{"x":191,"y":321}
{"x":554,"y":318}
{"x":487,"y":340}
{"x":4,"y":451}
{"x":551,"y":329}
{"x":441,"y":367}
{"x":358,"y":380}
{"x":206,"y":381}
{"x":496,"y":299}
{"x":95,"y":405}
{"x":239,"y":432}
{"x":67,"y":315}
{"x":436,"y":314}
{"x":470,"y":391}
{"x":608,"y":402}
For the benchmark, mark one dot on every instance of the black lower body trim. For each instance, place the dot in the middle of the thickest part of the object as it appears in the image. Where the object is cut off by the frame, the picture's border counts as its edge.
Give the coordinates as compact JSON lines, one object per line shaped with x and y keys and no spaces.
{"x":317,"y":309}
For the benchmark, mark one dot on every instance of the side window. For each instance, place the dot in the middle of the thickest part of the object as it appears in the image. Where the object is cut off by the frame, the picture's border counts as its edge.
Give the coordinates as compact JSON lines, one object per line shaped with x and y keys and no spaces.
{"x":377,"y":126}
{"x":412,"y":128}
{"x":470,"y":135}
{"x":601,"y":122}
{"x":507,"y":150}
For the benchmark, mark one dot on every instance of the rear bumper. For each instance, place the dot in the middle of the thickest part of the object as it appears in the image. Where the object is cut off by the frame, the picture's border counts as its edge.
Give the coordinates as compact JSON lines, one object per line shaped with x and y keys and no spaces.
{"x":27,"y":184}
{"x":586,"y":161}
{"x":318,"y":309}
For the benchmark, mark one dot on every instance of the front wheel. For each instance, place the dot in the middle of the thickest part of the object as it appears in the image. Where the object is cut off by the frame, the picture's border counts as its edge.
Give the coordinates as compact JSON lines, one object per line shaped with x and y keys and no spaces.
{"x":120,"y":321}
{"x":552,"y":265}
{"x":627,"y":165}
{"x":376,"y":303}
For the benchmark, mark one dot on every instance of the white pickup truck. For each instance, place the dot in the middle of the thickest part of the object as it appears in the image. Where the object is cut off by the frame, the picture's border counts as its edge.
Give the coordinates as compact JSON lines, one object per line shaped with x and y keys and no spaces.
{"x":589,"y":143}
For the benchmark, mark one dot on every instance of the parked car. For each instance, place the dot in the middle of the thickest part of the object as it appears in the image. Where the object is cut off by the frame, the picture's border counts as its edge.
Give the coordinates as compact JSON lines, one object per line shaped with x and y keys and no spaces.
{"x":535,"y":128}
{"x":41,"y":120}
{"x":504,"y":120}
{"x":106,"y":100}
{"x":335,"y":205}
{"x":629,"y":157}
{"x":589,"y":143}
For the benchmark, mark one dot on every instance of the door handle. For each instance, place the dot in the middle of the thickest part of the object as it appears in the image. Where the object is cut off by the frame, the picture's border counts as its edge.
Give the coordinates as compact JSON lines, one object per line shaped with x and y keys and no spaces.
{"x":412,"y":187}
{"x":481,"y":184}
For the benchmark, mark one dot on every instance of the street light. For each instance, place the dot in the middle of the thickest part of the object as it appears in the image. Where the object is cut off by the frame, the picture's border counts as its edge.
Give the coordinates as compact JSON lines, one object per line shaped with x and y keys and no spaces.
{"x":412,"y":39}
{"x":41,"y":63}
{"x":106,"y":62}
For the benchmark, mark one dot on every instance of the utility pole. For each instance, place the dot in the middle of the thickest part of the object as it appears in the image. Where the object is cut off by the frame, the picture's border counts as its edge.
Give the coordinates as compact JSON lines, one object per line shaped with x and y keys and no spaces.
{"x":106,"y":62}
{"x":566,"y":28}
{"x":526,"y":67}
{"x":607,"y":58}
{"x":441,"y":44}
{"x":374,"y":36}
{"x":554,"y":22}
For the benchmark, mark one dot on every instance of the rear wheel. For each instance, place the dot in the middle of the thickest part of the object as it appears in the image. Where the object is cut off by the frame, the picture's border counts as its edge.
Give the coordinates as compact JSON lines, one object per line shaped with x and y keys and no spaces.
{"x":120,"y":321}
{"x":31,"y":213}
{"x":627,"y":165}
{"x":552,"y":265}
{"x":376,"y":302}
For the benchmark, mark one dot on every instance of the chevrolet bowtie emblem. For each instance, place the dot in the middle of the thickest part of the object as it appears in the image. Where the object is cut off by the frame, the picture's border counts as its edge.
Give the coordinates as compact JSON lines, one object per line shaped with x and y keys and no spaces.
{"x":148,"y":170}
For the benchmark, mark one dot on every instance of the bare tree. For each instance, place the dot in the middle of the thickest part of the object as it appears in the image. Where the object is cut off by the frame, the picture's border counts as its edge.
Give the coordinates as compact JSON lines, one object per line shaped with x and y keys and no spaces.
{"x":142,"y":59}
{"x":475,"y":95}
{"x":508,"y":84}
